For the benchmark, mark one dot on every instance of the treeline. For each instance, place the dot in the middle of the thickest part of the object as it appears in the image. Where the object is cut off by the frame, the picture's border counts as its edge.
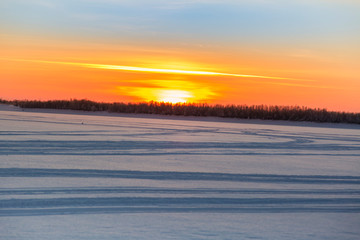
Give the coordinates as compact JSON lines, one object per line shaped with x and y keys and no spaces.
{"x":290,"y":113}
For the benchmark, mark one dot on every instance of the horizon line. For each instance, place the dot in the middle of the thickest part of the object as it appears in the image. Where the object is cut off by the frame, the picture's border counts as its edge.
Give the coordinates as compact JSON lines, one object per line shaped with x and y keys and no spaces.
{"x":182,"y":103}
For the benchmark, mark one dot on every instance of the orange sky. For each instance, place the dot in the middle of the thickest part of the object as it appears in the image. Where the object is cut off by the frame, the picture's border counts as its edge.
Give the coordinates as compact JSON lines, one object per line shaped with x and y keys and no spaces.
{"x":40,"y":65}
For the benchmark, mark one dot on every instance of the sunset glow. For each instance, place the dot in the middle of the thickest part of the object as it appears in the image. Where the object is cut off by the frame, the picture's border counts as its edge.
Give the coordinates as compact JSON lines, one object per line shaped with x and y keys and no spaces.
{"x":256,"y":52}
{"x":173,"y":96}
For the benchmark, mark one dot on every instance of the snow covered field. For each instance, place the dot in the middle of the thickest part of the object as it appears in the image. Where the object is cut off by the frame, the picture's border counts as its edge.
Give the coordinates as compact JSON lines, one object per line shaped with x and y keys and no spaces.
{"x":74,"y":176}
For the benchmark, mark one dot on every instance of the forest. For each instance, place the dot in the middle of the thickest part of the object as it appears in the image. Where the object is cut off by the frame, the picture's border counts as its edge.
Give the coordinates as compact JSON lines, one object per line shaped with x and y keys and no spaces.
{"x":264,"y":112}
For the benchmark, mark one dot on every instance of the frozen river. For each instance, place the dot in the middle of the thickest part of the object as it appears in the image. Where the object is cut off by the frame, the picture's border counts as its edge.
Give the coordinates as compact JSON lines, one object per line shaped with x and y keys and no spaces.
{"x":73,"y":176}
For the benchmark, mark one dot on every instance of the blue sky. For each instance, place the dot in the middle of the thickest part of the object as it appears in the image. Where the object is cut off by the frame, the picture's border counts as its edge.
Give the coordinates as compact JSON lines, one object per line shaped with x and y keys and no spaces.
{"x":229,"y":22}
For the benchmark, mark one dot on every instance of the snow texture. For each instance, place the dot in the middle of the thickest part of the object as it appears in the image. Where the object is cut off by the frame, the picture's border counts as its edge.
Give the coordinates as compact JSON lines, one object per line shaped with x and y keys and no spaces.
{"x":67,"y":175}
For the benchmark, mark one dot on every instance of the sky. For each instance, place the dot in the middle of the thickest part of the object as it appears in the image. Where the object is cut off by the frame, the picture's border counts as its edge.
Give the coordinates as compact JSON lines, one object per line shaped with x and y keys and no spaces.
{"x":299,"y":52}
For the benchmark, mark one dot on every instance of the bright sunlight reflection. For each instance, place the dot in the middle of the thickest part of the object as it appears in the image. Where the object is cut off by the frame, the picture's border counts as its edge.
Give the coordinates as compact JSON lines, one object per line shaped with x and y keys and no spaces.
{"x":173,"y":96}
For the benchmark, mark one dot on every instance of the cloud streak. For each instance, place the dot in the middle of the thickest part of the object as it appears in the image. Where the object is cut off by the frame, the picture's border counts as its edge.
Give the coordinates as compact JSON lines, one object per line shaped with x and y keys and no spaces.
{"x":158,"y":70}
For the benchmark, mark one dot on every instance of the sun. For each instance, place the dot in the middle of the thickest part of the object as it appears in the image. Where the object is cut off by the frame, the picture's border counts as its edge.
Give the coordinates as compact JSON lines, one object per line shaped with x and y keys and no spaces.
{"x":173,"y":96}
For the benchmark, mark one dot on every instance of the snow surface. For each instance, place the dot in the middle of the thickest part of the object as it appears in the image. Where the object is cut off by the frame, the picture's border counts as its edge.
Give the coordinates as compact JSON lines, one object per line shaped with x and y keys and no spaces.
{"x":71,"y":175}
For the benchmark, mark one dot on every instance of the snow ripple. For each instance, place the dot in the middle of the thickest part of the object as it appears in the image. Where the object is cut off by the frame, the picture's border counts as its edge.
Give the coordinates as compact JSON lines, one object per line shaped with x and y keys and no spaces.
{"x":45,"y":201}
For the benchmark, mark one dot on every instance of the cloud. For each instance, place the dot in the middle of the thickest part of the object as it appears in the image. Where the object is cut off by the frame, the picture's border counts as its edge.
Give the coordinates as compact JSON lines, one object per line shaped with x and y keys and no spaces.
{"x":159,"y":70}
